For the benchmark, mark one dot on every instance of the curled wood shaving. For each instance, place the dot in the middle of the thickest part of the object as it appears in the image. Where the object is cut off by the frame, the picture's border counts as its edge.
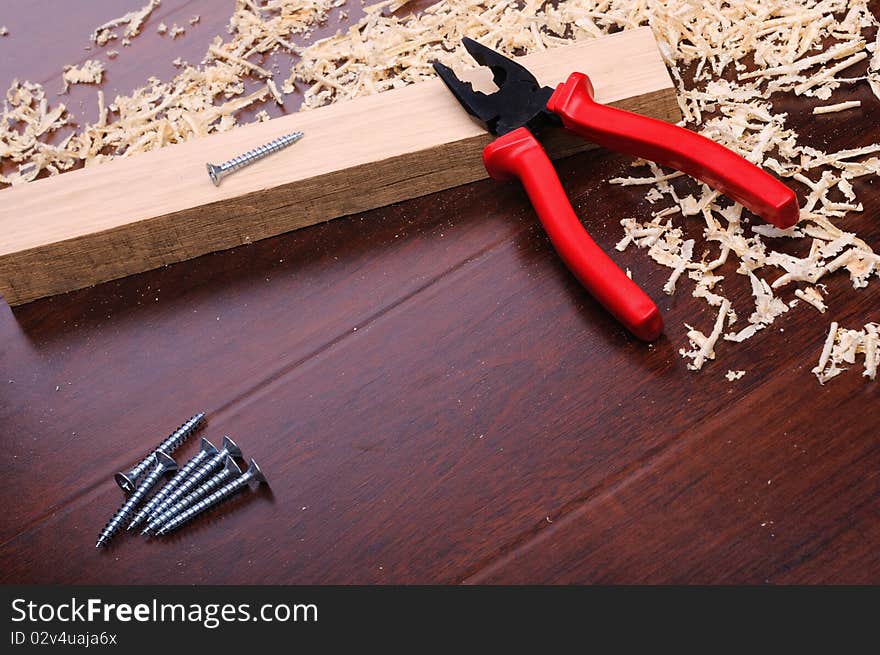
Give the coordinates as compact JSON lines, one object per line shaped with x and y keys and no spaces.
{"x":702,"y":346}
{"x":840,"y":106}
{"x":841,"y":348}
{"x":133,"y":21}
{"x":812,"y":296}
{"x":91,"y":72}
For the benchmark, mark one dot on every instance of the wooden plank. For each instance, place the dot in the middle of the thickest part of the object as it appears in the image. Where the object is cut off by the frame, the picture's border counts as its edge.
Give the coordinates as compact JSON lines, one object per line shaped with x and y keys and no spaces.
{"x":132,"y":215}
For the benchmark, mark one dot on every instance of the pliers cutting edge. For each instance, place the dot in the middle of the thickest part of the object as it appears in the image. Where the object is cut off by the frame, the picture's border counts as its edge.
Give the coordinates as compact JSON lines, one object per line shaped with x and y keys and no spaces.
{"x":521,"y":106}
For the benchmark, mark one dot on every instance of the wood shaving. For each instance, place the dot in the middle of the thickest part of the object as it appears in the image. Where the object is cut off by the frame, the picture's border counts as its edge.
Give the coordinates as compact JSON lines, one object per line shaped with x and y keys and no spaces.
{"x":132,"y":21}
{"x":195,"y":19}
{"x":812,"y":296}
{"x":176,"y":30}
{"x":91,"y":72}
{"x":840,"y":106}
{"x":702,"y":346}
{"x":161,"y":28}
{"x":4,"y":31}
{"x":842,"y":347}
{"x":734,"y":375}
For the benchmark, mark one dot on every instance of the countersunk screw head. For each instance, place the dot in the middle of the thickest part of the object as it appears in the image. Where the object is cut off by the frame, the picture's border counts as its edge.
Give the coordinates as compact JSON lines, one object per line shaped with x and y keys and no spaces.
{"x":165,"y":462}
{"x":214,"y":172}
{"x":231,"y":447}
{"x":232,"y":468}
{"x":256,"y":472}
{"x":125,"y":482}
{"x":208,"y":447}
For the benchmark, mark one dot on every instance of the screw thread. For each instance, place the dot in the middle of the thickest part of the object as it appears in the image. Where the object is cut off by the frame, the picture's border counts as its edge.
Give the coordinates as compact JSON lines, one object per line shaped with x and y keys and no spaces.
{"x":171,"y":443}
{"x":166,"y":490}
{"x":129,"y":505}
{"x":258,"y":153}
{"x":208,"y":501}
{"x":189,"y":483}
{"x":158,"y":520}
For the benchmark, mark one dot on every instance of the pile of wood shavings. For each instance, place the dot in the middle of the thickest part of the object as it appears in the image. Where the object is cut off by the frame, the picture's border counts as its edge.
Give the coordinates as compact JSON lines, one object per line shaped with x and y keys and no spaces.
{"x":741,"y":54}
{"x":741,"y":118}
{"x":842,"y":346}
{"x":198,"y":101}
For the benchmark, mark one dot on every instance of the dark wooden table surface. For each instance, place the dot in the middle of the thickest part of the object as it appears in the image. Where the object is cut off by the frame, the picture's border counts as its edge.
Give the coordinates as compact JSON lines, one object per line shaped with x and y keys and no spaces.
{"x":430,"y":393}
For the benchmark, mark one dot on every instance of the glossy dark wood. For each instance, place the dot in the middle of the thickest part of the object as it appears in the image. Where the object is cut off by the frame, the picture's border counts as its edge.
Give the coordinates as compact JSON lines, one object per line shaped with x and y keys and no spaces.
{"x":433,"y":398}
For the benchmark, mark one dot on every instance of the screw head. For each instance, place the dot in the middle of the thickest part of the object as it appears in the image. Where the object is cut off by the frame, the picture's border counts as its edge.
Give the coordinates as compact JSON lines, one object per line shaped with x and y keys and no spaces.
{"x":256,"y":474}
{"x":125,"y":482}
{"x":232,"y":467}
{"x":214,"y":172}
{"x":231,"y":447}
{"x":165,"y":461}
{"x":208,"y":447}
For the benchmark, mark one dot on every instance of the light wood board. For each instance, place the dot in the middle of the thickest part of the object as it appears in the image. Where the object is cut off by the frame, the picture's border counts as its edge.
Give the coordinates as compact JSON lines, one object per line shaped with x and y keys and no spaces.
{"x":135,"y":214}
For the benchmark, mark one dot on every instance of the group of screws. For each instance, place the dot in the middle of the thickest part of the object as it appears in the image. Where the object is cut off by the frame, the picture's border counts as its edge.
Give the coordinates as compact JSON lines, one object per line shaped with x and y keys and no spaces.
{"x":207,"y":479}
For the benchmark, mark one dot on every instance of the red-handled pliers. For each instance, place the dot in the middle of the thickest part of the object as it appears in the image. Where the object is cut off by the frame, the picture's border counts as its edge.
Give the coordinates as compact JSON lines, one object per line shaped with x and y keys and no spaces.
{"x":521,"y":106}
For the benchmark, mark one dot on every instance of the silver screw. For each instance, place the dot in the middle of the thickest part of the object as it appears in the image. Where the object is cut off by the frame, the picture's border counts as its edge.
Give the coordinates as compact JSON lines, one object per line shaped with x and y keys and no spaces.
{"x":207,"y":449}
{"x":252,"y":474}
{"x":162,"y":464}
{"x":128,"y":480}
{"x":217,"y":172}
{"x":228,"y":472}
{"x":228,"y":449}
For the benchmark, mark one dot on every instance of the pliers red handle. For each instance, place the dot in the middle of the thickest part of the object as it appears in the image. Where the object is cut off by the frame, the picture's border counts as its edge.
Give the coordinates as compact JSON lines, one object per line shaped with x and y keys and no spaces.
{"x":520,"y":105}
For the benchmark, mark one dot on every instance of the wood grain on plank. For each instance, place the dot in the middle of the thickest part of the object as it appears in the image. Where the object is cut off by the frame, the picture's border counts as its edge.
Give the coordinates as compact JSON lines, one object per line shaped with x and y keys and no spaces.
{"x":134,"y":214}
